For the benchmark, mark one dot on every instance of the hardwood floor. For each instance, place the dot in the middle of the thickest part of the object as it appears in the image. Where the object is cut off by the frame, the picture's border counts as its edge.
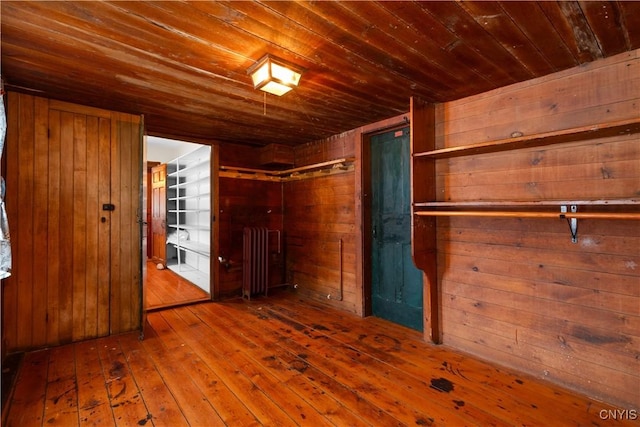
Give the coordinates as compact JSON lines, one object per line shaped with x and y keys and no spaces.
{"x":164,"y":288}
{"x":280,"y":361}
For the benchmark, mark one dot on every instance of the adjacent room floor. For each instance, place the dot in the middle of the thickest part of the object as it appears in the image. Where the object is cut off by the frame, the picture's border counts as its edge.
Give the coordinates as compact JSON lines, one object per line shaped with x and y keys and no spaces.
{"x":279,"y":361}
{"x":165,"y":288}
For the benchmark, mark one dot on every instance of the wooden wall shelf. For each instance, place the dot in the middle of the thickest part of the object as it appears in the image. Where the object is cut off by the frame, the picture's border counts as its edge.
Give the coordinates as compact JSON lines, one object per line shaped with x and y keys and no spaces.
{"x":308,"y":171}
{"x":426,"y":208}
{"x":535,"y":214}
{"x":507,"y":203}
{"x":603,"y":130}
{"x":570,"y":214}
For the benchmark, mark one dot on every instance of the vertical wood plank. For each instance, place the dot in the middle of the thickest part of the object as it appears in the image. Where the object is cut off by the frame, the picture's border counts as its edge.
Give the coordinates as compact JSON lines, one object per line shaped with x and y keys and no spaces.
{"x":40,"y":221}
{"x":23,"y":255}
{"x":79,"y":247}
{"x":54,"y":226}
{"x":125,"y":229}
{"x":104,"y":235}
{"x":423,"y":189}
{"x":134,"y":217}
{"x":362,"y":220}
{"x":65,"y":285}
{"x":115,"y":230}
{"x":92,"y":216}
{"x":10,"y":285}
{"x":128,"y":238}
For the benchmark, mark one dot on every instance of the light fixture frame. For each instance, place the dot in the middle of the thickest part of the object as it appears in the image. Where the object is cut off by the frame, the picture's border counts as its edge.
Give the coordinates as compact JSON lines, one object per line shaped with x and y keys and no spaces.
{"x":274,"y":75}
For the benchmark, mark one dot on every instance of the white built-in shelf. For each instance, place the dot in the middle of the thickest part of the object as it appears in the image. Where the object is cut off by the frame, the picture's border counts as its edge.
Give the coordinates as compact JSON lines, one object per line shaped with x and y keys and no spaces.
{"x":190,"y":226}
{"x":193,"y":196}
{"x":204,"y":179}
{"x":188,"y":209}
{"x":193,"y":247}
{"x":191,"y":167}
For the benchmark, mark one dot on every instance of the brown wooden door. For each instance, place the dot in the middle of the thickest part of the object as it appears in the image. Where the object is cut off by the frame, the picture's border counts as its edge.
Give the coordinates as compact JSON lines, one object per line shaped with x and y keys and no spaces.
{"x":159,"y":214}
{"x":73,"y":200}
{"x":82,"y":185}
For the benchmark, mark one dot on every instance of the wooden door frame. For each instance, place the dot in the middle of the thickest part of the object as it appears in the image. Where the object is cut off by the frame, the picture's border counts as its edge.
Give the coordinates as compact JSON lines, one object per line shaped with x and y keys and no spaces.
{"x":145,"y":225}
{"x":214,"y":265}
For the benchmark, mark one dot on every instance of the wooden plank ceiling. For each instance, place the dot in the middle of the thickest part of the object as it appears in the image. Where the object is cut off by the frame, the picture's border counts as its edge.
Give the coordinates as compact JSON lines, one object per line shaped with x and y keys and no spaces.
{"x":183,"y":64}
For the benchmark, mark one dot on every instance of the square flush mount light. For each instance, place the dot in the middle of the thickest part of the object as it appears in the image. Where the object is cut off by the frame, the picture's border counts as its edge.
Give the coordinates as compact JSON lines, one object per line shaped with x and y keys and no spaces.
{"x":274,"y":75}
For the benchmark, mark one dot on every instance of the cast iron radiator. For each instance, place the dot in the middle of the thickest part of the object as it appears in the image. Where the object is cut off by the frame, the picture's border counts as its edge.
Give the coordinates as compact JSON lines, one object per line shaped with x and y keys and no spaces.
{"x":255,"y":261}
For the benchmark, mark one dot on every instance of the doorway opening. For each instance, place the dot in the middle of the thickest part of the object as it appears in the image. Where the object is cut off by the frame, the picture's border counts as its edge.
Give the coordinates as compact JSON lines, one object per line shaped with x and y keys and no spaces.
{"x":179,"y":204}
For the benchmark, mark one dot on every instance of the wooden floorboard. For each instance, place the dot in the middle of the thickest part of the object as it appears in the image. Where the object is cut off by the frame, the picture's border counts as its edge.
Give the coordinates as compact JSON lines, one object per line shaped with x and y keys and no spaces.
{"x":165,"y":288}
{"x":280,"y":361}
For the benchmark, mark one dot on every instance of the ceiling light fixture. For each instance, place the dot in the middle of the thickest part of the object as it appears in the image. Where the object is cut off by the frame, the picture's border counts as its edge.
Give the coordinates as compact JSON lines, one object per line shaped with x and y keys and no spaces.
{"x":274,"y":75}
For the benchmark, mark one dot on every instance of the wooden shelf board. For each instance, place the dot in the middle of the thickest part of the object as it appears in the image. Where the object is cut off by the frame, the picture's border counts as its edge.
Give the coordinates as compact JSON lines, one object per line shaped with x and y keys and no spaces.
{"x":505,"y":203}
{"x":316,"y":166}
{"x":622,"y":127}
{"x":532,"y":214}
{"x":237,"y":174}
{"x":278,"y":175}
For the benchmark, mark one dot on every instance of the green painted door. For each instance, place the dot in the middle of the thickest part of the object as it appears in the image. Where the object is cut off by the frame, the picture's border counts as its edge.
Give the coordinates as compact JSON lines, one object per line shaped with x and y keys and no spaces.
{"x":396,"y":291}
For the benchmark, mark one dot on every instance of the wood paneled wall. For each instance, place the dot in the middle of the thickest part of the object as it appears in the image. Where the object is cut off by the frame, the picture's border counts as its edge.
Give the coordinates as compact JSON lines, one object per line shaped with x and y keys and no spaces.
{"x":320,"y":217}
{"x":321,"y":243}
{"x":517,"y":291}
{"x":323,"y":219}
{"x":244,"y":203}
{"x":74,"y":275}
{"x":239,"y":156}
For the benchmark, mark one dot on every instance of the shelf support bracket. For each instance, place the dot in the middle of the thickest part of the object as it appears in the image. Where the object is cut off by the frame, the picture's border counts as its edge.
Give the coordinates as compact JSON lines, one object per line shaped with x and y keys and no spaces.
{"x":573,"y":222}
